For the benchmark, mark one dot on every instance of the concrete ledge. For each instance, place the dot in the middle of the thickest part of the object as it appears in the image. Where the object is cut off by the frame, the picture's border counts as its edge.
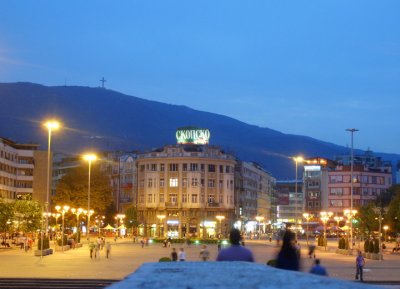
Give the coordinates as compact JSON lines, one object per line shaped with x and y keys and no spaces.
{"x":230,"y":275}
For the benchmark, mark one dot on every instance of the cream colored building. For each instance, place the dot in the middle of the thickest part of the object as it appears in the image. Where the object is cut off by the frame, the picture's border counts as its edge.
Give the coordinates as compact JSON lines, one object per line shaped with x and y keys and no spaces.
{"x":183,"y":188}
{"x":23,"y":171}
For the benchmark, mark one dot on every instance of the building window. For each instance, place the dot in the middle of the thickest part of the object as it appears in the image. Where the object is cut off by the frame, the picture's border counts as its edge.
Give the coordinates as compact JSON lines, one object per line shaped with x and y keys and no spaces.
{"x":173,"y":182}
{"x":364,"y":179}
{"x":194,"y":198}
{"x":184,"y":182}
{"x":202,"y":182}
{"x":141,"y":168}
{"x":335,"y":179}
{"x":161,"y":183}
{"x":336,"y":191}
{"x":211,"y":168}
{"x":162,"y":167}
{"x":141,"y":183}
{"x":194,"y":182}
{"x":221,"y":198}
{"x":211,"y":183}
{"x":184,"y":167}
{"x":221,"y":184}
{"x":211,"y":198}
{"x":154,"y":167}
{"x":202,"y":167}
{"x":162,"y":198}
{"x":172,"y":198}
{"x":173,"y":167}
{"x":150,"y":183}
{"x":194,"y":167}
{"x":184,"y":198}
{"x":149,"y":198}
{"x":336,"y":203}
{"x":221,"y":169}
{"x":141,"y":198}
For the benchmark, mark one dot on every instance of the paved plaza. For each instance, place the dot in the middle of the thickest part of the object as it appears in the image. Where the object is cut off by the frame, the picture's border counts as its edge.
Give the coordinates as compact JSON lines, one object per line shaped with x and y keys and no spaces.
{"x":127,"y":256}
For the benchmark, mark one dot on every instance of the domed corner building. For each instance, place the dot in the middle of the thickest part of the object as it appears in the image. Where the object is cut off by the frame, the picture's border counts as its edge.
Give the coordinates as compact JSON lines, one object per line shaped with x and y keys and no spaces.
{"x":187,"y":189}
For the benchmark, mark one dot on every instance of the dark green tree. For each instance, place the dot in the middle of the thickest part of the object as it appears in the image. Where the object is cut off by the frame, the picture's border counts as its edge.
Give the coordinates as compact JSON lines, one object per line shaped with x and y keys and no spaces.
{"x":393,"y":214}
{"x":367,"y":219}
{"x":131,"y":218}
{"x":72,"y":190}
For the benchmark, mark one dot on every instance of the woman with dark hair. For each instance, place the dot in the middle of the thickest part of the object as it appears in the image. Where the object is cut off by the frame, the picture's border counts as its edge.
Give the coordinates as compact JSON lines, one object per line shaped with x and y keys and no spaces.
{"x":288,"y":257}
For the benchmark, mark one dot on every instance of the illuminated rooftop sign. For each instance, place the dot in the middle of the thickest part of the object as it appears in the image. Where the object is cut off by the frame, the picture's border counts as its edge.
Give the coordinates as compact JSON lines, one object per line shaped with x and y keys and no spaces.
{"x":312,"y":168}
{"x":192,"y":135}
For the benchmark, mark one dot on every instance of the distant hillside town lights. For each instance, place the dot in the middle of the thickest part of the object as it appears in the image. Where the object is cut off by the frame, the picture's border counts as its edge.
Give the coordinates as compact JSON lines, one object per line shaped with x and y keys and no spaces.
{"x":192,"y":135}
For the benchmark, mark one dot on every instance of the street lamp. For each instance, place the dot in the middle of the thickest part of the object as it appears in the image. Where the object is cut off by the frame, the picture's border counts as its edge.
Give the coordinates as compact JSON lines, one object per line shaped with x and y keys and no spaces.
{"x":338,"y":220}
{"x":307,"y":216}
{"x":62,"y":210}
{"x":385,"y":228}
{"x":220,"y":218}
{"x":352,"y":131}
{"x":89,"y":158}
{"x":77,"y":212}
{"x":325,"y":216}
{"x":50,"y":125}
{"x":350,"y":215}
{"x":88,"y":214}
{"x":56,"y":215}
{"x":259,"y":219}
{"x":161,"y":218}
{"x":297,"y":160}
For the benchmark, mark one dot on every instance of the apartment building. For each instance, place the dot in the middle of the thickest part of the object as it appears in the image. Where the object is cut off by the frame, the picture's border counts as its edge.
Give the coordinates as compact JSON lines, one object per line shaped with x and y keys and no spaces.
{"x":23,"y":171}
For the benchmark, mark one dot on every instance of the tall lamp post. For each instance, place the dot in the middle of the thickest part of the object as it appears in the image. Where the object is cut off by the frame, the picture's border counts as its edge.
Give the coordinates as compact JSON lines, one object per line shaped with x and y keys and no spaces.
{"x":307,"y":216}
{"x":62,"y":210}
{"x":56,"y":215}
{"x":220,"y":218}
{"x":89,"y":158}
{"x":51,"y":125}
{"x":352,"y":131}
{"x":385,"y":228}
{"x":338,"y":220}
{"x":297,"y":160}
{"x":259,"y":219}
{"x":160,"y":218}
{"x":350,"y":215}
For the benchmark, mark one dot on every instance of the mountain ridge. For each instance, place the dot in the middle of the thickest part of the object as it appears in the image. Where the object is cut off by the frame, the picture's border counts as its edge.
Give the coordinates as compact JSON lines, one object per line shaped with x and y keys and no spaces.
{"x":103,"y":119}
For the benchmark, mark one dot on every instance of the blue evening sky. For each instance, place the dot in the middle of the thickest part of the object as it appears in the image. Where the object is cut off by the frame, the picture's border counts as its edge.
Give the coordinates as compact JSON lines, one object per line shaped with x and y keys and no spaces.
{"x":307,"y":67}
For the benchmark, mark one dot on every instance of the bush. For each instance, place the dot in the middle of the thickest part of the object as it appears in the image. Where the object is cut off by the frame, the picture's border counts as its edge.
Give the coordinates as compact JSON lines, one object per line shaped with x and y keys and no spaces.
{"x":342,"y":243}
{"x":46,"y":243}
{"x":346,"y":243}
{"x":272,"y":262}
{"x":165,"y":259}
{"x":60,"y":242}
{"x":371,"y":246}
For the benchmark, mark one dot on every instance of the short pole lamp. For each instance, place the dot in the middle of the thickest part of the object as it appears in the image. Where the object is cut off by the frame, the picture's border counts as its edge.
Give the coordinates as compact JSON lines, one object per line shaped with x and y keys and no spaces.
{"x":62,"y":210}
{"x":259,"y":220}
{"x":220,"y":218}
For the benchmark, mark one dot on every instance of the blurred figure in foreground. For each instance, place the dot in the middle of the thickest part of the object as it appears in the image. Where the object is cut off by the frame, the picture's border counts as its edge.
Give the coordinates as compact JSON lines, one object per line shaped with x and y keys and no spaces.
{"x":235,"y":252}
{"x":288,"y":257}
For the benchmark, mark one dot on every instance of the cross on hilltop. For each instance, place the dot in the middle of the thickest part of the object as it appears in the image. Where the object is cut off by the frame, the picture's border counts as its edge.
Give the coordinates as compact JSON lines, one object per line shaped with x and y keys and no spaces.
{"x":102,"y":82}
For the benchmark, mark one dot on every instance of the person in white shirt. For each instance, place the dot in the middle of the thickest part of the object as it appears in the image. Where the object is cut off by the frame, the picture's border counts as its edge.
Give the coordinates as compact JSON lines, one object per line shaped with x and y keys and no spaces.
{"x":181,"y":255}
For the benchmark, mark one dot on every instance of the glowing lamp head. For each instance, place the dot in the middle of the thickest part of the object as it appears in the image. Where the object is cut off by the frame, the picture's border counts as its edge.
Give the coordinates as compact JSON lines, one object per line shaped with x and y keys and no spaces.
{"x":52,"y":125}
{"x":298,"y":159}
{"x":90,"y":157}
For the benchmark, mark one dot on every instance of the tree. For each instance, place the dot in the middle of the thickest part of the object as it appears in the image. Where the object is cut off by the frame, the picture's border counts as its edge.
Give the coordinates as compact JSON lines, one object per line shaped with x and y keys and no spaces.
{"x":367,"y":219}
{"x":131,"y":217}
{"x":6,"y":215}
{"x":393,"y":214}
{"x":28,"y":215}
{"x":72,"y":190}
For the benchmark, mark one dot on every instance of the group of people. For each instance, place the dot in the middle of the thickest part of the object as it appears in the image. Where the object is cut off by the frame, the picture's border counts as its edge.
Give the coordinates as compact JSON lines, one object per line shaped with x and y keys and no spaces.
{"x":288,"y":257}
{"x":96,"y":247}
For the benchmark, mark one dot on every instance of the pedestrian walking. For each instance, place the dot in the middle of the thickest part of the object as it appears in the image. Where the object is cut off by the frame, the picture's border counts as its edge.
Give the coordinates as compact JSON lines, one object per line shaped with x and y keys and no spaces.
{"x":108,"y":249}
{"x":91,"y":249}
{"x":182,"y":255}
{"x":288,"y":256}
{"x":97,"y":250}
{"x":318,"y":269}
{"x":311,"y":251}
{"x":174,"y":255}
{"x":204,"y":253}
{"x":360,"y":262}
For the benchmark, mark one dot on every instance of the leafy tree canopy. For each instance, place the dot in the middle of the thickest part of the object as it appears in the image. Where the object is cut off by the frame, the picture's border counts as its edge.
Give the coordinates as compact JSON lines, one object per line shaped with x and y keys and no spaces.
{"x":131,"y":217}
{"x":27,"y":214}
{"x":6,"y":214}
{"x":72,"y":189}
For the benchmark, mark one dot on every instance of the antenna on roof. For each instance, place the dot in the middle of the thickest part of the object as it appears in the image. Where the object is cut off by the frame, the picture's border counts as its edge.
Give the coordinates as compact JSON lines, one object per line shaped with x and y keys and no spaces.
{"x":102,"y":82}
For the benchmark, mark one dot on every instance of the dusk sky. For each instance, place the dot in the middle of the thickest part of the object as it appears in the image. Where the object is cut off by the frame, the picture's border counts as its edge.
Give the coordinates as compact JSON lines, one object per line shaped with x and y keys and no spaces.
{"x":311,"y":68}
